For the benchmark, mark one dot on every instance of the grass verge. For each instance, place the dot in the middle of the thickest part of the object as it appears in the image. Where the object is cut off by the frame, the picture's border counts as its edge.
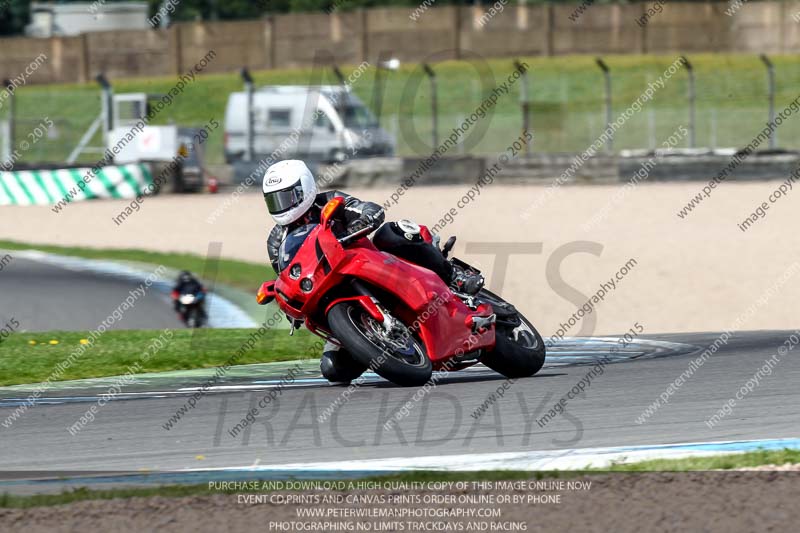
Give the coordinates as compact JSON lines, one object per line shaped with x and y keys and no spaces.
{"x":714,"y":462}
{"x":239,"y":274}
{"x":724,"y":462}
{"x":114,"y":352}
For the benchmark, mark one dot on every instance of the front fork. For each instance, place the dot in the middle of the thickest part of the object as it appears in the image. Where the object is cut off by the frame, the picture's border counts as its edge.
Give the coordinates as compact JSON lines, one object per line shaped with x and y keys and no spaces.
{"x":387,"y":321}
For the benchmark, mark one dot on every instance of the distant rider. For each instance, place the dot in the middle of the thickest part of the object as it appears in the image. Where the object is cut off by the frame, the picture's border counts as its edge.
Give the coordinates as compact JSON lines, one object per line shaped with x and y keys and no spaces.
{"x":185,"y":284}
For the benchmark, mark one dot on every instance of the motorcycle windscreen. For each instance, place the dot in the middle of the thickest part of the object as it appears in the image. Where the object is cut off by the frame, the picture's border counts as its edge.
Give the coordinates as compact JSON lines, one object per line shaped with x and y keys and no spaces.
{"x":291,"y":244}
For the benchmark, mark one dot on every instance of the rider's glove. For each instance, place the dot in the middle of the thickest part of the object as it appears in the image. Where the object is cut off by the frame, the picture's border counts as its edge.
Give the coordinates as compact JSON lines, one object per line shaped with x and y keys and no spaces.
{"x":364,"y":221}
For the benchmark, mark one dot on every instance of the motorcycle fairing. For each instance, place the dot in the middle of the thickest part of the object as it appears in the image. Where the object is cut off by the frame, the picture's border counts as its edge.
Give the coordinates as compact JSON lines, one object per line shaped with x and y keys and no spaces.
{"x":445,"y":332}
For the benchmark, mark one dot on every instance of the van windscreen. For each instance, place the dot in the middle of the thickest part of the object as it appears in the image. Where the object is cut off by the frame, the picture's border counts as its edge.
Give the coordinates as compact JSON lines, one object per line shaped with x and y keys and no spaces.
{"x":359,"y":117}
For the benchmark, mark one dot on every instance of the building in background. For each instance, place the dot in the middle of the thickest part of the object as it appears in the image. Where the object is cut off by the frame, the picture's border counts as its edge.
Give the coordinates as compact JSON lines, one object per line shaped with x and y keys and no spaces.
{"x":57,"y":20}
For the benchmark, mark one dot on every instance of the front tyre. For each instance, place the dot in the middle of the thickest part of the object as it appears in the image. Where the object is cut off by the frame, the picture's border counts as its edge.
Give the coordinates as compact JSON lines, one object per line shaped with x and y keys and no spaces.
{"x":192,"y":317}
{"x":396,"y":355}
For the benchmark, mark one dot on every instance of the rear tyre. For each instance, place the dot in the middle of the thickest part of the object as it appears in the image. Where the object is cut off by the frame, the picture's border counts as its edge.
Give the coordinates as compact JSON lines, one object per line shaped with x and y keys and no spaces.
{"x":397,"y":356}
{"x":519,"y":350}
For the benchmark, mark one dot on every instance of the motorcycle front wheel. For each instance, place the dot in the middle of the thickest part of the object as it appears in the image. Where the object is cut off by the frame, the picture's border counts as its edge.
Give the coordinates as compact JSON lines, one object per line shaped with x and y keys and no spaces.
{"x":396,"y":355}
{"x":193,"y":317}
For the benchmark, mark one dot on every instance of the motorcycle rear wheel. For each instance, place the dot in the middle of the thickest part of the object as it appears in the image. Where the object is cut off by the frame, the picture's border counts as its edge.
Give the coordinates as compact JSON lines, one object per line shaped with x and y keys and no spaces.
{"x":404,"y":362}
{"x":519,"y":350}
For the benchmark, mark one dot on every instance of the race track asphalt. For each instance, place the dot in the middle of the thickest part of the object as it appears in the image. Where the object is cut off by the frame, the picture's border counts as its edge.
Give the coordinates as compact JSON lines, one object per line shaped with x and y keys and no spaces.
{"x":129,"y":434}
{"x":43,"y":296}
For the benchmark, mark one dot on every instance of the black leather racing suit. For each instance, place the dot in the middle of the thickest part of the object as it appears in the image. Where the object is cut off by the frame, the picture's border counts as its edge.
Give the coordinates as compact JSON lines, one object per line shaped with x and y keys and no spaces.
{"x":190,"y":286}
{"x":357,"y":215}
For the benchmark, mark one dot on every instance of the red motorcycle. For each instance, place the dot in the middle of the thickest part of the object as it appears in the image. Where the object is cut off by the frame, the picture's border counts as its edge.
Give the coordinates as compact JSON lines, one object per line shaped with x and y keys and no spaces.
{"x":394,"y":317}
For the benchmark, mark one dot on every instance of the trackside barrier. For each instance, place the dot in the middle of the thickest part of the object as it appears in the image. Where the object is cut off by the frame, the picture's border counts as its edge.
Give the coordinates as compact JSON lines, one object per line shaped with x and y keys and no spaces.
{"x":62,"y":186}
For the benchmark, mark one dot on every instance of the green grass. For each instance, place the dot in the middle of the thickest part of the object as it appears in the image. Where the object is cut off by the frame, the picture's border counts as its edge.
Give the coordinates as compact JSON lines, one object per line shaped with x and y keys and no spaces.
{"x":239,"y":274}
{"x":114,"y":351}
{"x":713,"y":462}
{"x":83,"y":494}
{"x":177,"y":491}
{"x":566,"y":94}
{"x":725,"y":462}
{"x":23,"y":362}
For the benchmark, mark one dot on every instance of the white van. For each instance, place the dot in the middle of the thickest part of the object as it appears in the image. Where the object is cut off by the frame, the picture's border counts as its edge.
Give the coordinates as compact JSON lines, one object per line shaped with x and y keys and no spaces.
{"x":326,"y":123}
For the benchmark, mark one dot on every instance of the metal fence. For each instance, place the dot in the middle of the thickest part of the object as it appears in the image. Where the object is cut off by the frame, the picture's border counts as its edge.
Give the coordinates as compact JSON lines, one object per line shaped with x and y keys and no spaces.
{"x":64,"y":115}
{"x":566,"y":109}
{"x":726,"y":109}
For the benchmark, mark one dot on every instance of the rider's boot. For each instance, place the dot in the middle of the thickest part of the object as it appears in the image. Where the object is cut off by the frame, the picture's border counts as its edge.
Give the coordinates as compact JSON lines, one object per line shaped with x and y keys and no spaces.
{"x":466,"y":281}
{"x":338,"y":366}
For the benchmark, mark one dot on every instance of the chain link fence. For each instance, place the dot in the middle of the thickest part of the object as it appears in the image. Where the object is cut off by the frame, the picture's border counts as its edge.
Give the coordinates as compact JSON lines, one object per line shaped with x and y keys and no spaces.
{"x":65,"y":115}
{"x":566,"y":110}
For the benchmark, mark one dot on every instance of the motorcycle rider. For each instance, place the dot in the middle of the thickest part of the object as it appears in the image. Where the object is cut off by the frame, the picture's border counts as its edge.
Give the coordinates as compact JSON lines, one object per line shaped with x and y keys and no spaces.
{"x":185,"y":284}
{"x":293,"y":200}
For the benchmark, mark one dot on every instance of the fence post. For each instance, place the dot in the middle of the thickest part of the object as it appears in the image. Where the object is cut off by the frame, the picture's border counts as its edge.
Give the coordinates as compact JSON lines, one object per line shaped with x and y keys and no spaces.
{"x":434,"y":105}
{"x":107,"y":106}
{"x":384,"y":63}
{"x":773,"y":136}
{"x":524,"y":103}
{"x":691,"y":96}
{"x":9,"y":144}
{"x":249,"y":89}
{"x":607,"y":76}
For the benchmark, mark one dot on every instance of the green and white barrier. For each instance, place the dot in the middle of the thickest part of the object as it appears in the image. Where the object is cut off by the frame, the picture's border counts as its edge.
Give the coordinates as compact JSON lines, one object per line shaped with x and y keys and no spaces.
{"x":60,"y":187}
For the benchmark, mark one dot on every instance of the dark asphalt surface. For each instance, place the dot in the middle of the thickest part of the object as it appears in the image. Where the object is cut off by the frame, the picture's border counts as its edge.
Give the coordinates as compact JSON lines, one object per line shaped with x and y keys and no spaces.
{"x":128,"y":434}
{"x":43,"y":297}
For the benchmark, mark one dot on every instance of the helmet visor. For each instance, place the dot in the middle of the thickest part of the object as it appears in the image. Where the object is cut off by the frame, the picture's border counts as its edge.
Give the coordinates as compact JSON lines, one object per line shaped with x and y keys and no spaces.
{"x":281,"y":201}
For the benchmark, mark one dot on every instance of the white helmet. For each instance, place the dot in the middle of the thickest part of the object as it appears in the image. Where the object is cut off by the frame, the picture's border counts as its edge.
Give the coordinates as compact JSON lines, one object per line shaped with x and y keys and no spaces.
{"x":289,"y":190}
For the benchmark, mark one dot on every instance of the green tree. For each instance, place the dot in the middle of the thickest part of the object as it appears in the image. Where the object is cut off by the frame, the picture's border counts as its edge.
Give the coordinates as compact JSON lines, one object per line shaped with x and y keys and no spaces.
{"x":14,"y":16}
